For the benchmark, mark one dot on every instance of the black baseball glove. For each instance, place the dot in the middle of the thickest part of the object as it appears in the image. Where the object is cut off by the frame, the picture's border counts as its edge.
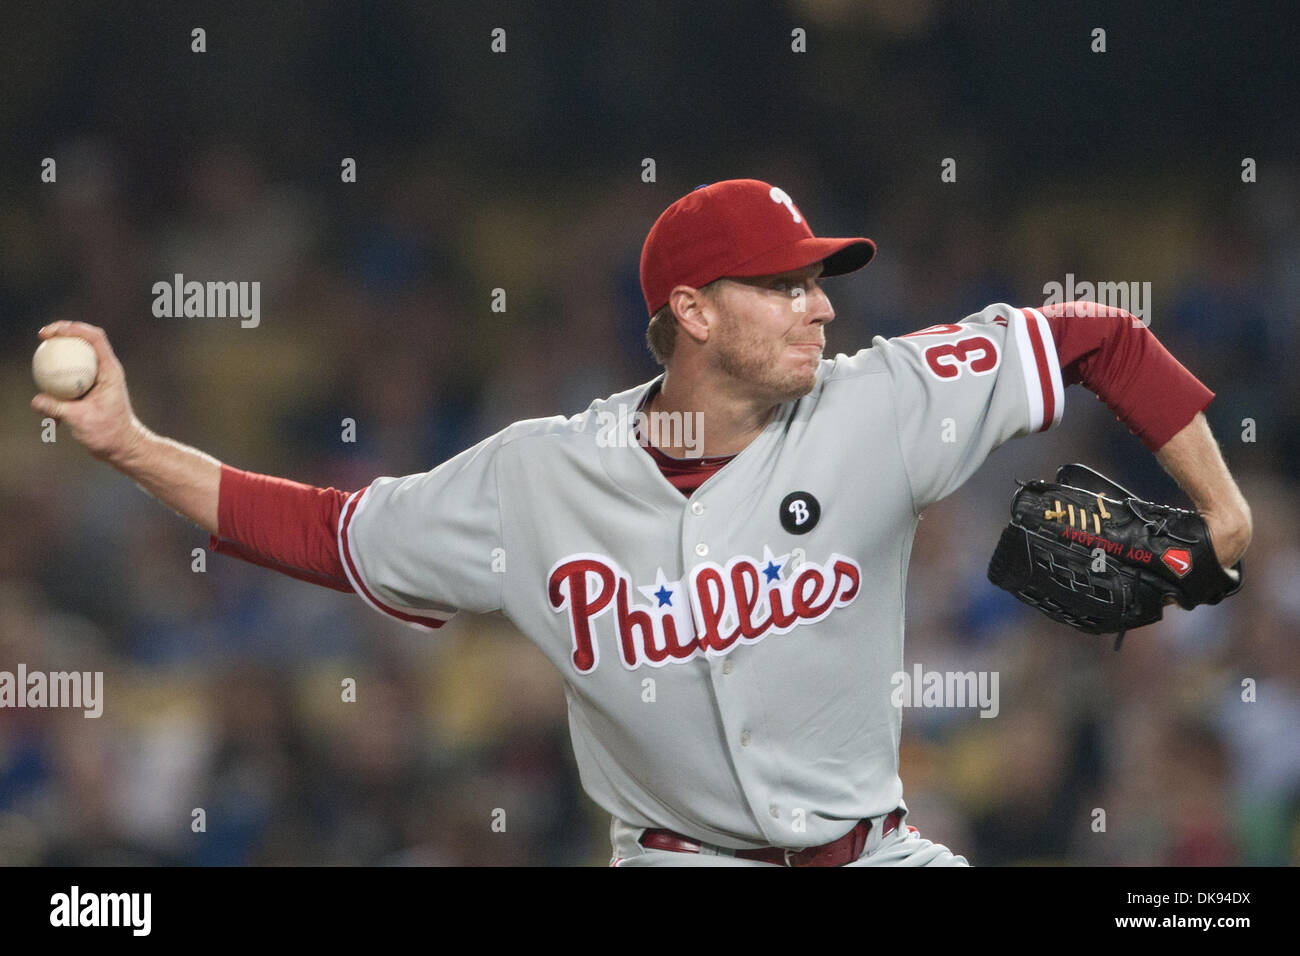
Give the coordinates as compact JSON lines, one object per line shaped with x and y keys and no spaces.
{"x":1089,"y":553}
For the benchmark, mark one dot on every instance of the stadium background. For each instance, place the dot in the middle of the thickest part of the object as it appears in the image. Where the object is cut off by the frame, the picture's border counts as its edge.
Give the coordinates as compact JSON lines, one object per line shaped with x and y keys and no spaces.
{"x":522,"y":171}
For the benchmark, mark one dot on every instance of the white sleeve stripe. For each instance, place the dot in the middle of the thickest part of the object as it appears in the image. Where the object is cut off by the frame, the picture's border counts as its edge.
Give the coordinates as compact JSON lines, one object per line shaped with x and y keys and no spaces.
{"x":1053,"y":363}
{"x":1033,"y":385}
{"x":419,"y":618}
{"x":1042,"y":375}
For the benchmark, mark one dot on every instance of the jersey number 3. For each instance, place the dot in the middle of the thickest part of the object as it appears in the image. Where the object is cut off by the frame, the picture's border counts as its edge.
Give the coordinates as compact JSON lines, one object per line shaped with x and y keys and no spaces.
{"x":947,"y":359}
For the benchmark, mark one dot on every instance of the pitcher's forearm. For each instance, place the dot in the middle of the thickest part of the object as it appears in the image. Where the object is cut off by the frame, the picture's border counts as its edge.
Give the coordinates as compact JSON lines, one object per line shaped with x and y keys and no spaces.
{"x":184,"y":479}
{"x":1193,"y":458}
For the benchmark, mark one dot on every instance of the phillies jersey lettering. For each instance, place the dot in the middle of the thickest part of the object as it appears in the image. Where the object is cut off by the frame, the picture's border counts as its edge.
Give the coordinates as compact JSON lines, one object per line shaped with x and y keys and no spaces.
{"x":724,"y":606}
{"x":767,"y":606}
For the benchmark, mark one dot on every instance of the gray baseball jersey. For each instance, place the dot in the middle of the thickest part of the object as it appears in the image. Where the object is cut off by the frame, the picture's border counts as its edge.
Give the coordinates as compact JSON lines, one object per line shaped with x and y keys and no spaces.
{"x":727,"y":657}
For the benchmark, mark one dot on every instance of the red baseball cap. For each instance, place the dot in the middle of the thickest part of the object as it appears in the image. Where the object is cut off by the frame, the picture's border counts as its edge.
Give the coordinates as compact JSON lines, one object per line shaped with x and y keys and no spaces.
{"x":737,"y":227}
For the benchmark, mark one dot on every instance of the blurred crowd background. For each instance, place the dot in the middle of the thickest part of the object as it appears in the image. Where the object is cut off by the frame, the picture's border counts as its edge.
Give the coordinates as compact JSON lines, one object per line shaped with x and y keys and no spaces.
{"x":523,"y":171}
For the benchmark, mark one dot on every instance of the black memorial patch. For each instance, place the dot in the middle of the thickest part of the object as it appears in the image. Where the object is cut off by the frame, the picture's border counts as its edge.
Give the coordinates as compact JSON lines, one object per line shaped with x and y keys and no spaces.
{"x":800,"y":512}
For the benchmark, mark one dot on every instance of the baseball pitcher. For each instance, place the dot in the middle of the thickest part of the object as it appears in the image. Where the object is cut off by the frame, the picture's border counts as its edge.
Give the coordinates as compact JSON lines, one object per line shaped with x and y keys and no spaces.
{"x":736,"y":532}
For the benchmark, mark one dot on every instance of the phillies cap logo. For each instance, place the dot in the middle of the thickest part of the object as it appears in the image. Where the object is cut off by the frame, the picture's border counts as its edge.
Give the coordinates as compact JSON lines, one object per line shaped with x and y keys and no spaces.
{"x":780,"y":195}
{"x":1178,"y":560}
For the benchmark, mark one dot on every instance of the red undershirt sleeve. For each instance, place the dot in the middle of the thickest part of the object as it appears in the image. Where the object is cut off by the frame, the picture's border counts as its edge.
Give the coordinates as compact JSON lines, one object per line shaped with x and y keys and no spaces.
{"x":280,"y":524}
{"x":1115,"y":356}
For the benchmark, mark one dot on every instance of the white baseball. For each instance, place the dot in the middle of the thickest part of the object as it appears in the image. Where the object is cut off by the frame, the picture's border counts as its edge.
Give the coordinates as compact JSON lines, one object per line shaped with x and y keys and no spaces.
{"x":65,"y":366}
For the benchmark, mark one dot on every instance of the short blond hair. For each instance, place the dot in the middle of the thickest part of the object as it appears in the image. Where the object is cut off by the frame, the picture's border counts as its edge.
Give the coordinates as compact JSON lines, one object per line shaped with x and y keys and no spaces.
{"x":661,"y":333}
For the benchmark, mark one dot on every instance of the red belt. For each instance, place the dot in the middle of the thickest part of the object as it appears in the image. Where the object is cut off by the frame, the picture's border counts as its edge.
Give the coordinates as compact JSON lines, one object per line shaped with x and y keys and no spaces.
{"x":836,"y":853}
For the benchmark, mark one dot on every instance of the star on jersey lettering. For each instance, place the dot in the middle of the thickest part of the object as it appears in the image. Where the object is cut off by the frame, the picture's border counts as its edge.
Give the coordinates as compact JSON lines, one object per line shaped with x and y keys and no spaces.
{"x":773,"y":565}
{"x":662,"y":590}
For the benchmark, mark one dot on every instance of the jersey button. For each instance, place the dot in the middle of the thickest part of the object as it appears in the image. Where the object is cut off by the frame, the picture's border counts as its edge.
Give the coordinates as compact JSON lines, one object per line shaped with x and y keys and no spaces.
{"x":701,"y":549}
{"x":697,"y":507}
{"x":774,"y":810}
{"x":744,"y":738}
{"x":726,"y":666}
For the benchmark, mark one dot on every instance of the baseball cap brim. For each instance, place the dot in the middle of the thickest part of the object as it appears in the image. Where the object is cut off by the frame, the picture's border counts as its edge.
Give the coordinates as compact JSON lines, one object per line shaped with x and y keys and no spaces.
{"x":837,"y":256}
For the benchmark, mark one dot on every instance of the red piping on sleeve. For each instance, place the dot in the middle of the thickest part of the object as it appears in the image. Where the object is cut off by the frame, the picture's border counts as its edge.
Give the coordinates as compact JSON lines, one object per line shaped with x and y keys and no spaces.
{"x":408,"y":617}
{"x":1044,"y":373}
